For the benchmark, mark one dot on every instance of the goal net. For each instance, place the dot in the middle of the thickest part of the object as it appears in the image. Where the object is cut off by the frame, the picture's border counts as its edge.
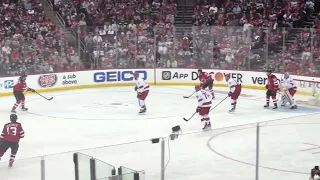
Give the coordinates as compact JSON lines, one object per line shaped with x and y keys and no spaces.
{"x":312,"y":91}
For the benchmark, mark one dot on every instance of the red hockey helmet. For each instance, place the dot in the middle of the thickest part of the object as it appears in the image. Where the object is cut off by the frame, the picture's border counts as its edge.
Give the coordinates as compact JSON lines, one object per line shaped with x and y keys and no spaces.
{"x":197,"y":87}
{"x":136,"y":74}
{"x":228,"y":75}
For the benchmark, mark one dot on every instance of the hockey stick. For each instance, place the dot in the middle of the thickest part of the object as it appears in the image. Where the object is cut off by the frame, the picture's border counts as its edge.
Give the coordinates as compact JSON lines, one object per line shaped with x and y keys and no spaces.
{"x":218,"y":103}
{"x":190,"y":95}
{"x":209,"y":111}
{"x":49,"y":99}
{"x":190,"y":117}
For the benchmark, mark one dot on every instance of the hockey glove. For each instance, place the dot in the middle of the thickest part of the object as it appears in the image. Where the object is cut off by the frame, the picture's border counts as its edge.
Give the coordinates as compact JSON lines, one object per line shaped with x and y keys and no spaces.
{"x":135,"y":88}
{"x":198,"y":109}
{"x":138,"y":95}
{"x":229,"y":94}
{"x":32,"y":90}
{"x":267,"y":86}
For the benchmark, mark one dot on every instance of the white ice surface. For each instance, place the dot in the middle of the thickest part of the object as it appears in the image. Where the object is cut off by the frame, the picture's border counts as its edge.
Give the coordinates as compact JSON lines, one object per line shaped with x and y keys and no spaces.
{"x":84,"y":119}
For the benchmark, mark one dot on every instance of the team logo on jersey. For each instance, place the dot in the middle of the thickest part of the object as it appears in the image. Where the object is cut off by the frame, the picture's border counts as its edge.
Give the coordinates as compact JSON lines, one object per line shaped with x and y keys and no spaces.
{"x":47,"y":80}
{"x":166,"y":75}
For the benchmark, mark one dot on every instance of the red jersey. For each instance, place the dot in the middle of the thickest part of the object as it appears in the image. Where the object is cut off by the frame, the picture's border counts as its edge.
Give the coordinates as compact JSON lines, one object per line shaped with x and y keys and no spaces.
{"x":205,"y":78}
{"x":12,"y":132}
{"x":273,"y":83}
{"x":20,"y":86}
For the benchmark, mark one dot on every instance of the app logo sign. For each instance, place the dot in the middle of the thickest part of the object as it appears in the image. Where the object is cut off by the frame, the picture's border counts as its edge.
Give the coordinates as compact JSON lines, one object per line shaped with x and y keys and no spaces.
{"x":8,"y":84}
{"x":117,"y":76}
{"x":47,"y":80}
{"x":166,"y":75}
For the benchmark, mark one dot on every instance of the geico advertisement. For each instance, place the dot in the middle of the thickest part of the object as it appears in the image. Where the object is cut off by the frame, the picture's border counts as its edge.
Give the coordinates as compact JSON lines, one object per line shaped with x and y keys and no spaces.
{"x":117,"y":76}
{"x":193,"y":75}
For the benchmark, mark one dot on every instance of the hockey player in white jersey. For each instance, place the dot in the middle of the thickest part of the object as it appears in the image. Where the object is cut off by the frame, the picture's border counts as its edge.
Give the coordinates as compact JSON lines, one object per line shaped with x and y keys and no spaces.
{"x":142,"y":89}
{"x":289,"y":88}
{"x":204,"y":104}
{"x":234,"y":91}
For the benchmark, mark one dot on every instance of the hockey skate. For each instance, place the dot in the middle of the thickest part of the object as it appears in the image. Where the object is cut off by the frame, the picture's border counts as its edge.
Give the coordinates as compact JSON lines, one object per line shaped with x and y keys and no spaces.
{"x":275,"y":107}
{"x":207,"y":126}
{"x":294,"y":107}
{"x":13,"y":111}
{"x":232,"y":110}
{"x":266,"y":106}
{"x":142,"y":111}
{"x":10,"y":164}
{"x":24,"y":109}
{"x":283,"y":104}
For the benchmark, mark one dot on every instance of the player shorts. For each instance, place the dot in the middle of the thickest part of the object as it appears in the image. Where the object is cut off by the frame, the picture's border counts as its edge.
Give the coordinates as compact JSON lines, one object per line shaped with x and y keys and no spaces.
{"x":5,"y":145}
{"x":210,"y":85}
{"x":271,"y":92}
{"x":18,"y":95}
{"x":204,"y":111}
{"x":143,"y":95}
{"x":235,"y":95}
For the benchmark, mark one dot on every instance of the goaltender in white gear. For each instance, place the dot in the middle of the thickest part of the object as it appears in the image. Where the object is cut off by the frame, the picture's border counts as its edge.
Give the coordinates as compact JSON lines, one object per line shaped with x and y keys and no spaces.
{"x":289,"y":88}
{"x":142,"y":89}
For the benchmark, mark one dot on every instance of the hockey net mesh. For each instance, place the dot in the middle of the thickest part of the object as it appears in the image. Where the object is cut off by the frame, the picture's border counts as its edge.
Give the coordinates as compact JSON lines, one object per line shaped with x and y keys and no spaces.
{"x":311,"y":89}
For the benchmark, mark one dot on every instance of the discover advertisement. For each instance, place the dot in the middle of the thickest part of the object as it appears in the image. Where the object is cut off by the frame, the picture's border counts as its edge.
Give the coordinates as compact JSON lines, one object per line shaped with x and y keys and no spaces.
{"x":192,"y":75}
{"x":118,"y":76}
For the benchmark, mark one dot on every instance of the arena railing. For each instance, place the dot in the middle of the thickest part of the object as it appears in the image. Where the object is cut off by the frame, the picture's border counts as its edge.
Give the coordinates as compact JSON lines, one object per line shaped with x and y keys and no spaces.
{"x":220,"y":47}
{"x":250,"y":150}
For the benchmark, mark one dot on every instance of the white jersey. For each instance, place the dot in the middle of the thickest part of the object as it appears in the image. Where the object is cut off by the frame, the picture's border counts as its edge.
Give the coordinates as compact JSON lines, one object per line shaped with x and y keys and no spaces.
{"x":289,"y":83}
{"x":232,"y":85}
{"x":204,"y":98}
{"x":141,"y":85}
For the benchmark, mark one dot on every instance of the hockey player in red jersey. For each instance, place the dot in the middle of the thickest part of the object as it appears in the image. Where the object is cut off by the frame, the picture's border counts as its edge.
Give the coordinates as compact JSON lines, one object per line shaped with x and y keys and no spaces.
{"x":272,"y":89}
{"x":11,"y":134}
{"x":18,"y":90}
{"x":234,"y":91}
{"x":206,"y":81}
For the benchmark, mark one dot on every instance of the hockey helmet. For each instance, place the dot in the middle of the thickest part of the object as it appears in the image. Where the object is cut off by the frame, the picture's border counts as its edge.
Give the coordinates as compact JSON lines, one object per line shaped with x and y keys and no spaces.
{"x":136,"y":74}
{"x":228,"y":75}
{"x":269,"y":70}
{"x":197,"y":87}
{"x":199,"y":70}
{"x":286,"y":75}
{"x":13,"y":117}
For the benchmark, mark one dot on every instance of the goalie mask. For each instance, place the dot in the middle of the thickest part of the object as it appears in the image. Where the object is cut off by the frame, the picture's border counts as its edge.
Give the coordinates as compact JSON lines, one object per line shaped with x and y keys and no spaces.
{"x":286,"y":75}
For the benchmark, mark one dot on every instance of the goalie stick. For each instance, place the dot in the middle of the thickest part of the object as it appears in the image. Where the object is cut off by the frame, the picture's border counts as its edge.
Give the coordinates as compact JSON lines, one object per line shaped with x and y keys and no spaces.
{"x":209,"y":111}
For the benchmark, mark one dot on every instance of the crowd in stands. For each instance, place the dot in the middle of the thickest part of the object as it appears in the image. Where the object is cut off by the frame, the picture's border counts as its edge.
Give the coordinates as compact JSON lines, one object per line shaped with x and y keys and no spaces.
{"x":239,"y":35}
{"x":30,"y":42}
{"x":253,"y":31}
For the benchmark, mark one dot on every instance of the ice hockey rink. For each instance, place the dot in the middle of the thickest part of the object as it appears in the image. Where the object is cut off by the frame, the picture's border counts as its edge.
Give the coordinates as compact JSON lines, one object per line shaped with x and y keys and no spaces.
{"x":96,"y":121}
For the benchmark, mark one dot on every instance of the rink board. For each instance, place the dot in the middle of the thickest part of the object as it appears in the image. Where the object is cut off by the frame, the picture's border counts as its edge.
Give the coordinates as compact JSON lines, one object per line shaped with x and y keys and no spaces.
{"x":164,"y":77}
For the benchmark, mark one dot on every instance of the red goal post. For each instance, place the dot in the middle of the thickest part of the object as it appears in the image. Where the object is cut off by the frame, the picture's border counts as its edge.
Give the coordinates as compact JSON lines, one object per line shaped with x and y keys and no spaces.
{"x":311,"y":89}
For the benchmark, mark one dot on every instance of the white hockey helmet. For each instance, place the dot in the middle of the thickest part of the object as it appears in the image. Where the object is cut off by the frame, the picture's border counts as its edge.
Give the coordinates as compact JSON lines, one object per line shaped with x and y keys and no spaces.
{"x":286,"y":75}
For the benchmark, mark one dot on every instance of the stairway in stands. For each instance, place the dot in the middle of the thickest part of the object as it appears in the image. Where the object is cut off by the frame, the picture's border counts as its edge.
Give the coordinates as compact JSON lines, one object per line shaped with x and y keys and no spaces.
{"x":293,"y":33}
{"x":183,"y":20}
